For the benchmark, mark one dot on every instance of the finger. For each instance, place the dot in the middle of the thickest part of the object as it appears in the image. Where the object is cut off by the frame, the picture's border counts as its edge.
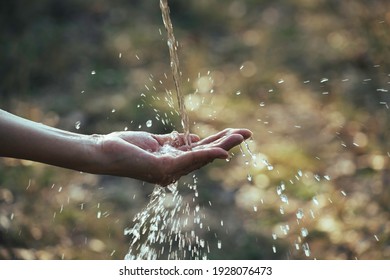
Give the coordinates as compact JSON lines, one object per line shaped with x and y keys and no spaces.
{"x":229,"y":142}
{"x":213,"y":137}
{"x":226,"y":143}
{"x":194,"y":138}
{"x":245,"y":133}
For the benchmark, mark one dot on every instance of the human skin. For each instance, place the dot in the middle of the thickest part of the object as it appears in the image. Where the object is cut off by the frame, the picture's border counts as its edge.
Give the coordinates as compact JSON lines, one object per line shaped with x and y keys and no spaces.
{"x":135,"y":154}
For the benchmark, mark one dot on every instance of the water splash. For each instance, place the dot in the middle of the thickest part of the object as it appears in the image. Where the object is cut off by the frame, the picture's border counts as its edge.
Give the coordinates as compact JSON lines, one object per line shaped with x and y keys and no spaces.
{"x":166,"y":228}
{"x":163,"y":228}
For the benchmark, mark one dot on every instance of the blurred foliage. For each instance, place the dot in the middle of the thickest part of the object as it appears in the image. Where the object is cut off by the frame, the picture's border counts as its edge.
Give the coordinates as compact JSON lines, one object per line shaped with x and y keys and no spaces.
{"x":310,"y":78}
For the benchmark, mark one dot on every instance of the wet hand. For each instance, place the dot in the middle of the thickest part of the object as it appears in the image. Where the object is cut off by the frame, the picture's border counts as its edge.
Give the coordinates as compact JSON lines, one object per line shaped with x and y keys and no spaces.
{"x":163,"y":159}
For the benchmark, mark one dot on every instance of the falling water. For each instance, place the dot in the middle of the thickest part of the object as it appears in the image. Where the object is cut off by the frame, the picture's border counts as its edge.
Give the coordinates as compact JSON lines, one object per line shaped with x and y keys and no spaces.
{"x":286,"y":230}
{"x":167,"y":226}
{"x":175,"y":66}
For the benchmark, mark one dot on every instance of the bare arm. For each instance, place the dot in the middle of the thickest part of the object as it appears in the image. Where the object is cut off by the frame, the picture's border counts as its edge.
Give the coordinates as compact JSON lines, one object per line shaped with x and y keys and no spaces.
{"x":25,"y":139}
{"x":138,"y":155}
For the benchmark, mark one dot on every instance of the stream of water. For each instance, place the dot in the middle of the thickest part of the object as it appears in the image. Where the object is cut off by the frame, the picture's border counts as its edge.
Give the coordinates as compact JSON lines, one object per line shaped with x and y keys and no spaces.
{"x":175,"y":66}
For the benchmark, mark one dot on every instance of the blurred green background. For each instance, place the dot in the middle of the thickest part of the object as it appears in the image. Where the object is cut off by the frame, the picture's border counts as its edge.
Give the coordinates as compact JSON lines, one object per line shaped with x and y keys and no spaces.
{"x":310,"y":78}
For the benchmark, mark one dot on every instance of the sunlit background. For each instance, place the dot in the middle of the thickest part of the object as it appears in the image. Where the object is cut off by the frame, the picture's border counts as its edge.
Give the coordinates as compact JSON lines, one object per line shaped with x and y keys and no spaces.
{"x":310,"y":78}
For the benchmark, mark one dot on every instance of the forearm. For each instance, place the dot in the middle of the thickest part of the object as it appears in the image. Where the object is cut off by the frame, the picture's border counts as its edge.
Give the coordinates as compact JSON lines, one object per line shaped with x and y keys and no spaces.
{"x":33,"y":141}
{"x":128,"y":154}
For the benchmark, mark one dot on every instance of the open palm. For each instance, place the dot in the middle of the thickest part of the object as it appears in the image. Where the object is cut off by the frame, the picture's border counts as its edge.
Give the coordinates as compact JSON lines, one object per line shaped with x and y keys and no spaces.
{"x":163,"y":159}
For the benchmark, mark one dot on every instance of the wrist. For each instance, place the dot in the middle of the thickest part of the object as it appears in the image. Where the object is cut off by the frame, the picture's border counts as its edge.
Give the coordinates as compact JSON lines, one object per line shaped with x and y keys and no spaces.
{"x":92,"y":158}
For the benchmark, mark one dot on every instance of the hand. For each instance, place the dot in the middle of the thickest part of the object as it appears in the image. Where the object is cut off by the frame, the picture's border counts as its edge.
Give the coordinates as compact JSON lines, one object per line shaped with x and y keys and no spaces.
{"x":163,"y":159}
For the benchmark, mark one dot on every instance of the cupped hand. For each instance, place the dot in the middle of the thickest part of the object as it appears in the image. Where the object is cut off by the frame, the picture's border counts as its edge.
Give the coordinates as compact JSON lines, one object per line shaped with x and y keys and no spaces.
{"x":163,"y":159}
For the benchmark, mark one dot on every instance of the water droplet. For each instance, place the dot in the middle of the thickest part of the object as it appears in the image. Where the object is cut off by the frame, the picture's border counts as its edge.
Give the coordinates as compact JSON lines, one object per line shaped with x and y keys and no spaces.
{"x":281,"y":210}
{"x":315,"y":200}
{"x":306,"y":249}
{"x":149,"y":123}
{"x":99,"y":214}
{"x":238,"y":92}
{"x":285,"y":229}
{"x":323,"y":80}
{"x":93,"y":72}
{"x":219,"y":244}
{"x":77,"y":125}
{"x":304,"y":232}
{"x":280,"y":189}
{"x":274,"y":249}
{"x":249,"y":177}
{"x":274,"y":236}
{"x":300,"y":214}
{"x":284,"y":198}
{"x":255,"y":208}
{"x":269,"y":166}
